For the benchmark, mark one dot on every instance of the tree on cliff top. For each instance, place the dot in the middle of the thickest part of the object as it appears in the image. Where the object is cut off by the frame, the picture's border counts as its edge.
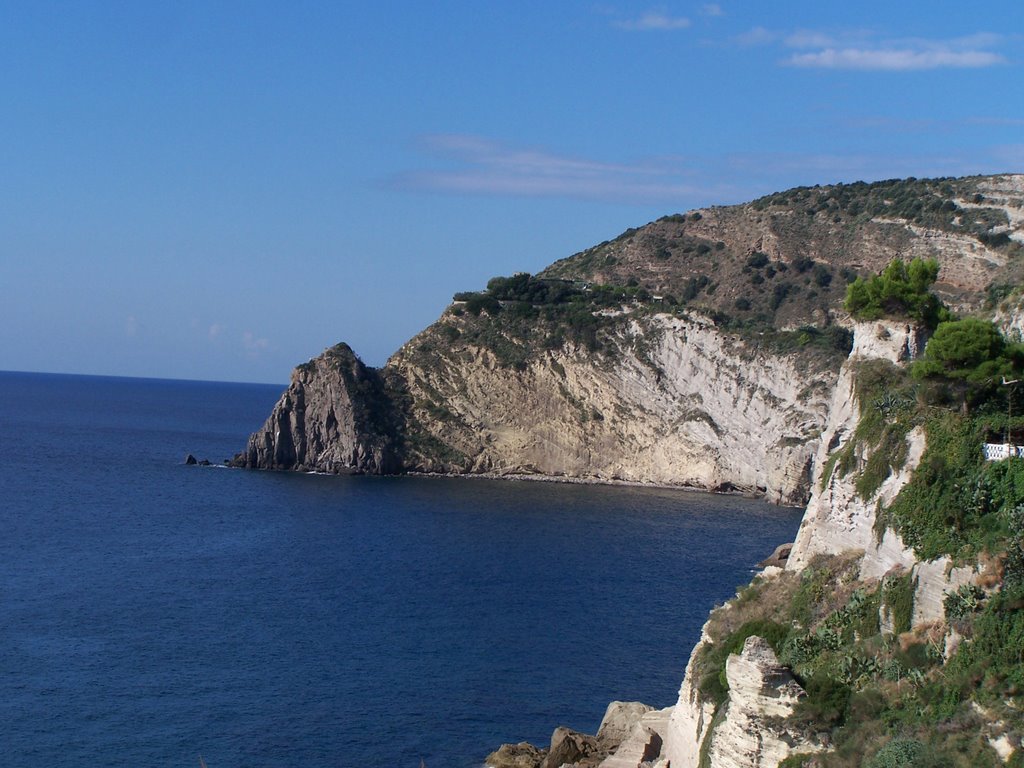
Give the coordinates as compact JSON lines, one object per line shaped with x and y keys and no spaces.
{"x":969,"y":350}
{"x":901,"y":289}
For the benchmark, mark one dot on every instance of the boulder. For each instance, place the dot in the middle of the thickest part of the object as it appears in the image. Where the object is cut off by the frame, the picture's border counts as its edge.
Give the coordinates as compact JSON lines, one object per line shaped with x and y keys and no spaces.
{"x":521,"y":755}
{"x":618,"y":721}
{"x":643,"y":745}
{"x":569,"y":747}
{"x":777,"y":558}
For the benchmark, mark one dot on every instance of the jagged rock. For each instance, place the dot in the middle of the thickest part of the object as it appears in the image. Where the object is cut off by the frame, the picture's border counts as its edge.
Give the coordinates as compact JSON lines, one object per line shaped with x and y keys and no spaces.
{"x":190,"y":460}
{"x":778,"y":558}
{"x":644,"y":743}
{"x":761,"y":693}
{"x":618,"y":721}
{"x":337,"y":416}
{"x":521,"y":755}
{"x":568,"y":747}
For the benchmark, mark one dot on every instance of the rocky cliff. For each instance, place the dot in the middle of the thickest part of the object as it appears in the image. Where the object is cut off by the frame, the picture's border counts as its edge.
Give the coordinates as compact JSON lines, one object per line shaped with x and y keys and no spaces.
{"x":336,"y":416}
{"x":669,"y":400}
{"x":701,"y":350}
{"x":708,"y":350}
{"x":840,"y":522}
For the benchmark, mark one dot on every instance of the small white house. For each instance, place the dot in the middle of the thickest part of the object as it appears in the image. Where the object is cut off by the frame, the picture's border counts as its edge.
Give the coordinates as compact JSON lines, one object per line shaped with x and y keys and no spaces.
{"x":1000,"y":451}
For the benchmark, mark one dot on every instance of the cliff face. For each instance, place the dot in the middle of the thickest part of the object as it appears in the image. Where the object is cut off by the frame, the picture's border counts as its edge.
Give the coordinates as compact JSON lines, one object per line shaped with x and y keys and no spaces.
{"x":644,"y":388}
{"x":838,"y":521}
{"x":671,"y":400}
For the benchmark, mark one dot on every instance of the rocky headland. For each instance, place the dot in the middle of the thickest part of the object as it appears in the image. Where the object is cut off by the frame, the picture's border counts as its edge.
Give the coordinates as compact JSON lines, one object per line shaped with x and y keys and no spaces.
{"x":712,"y":350}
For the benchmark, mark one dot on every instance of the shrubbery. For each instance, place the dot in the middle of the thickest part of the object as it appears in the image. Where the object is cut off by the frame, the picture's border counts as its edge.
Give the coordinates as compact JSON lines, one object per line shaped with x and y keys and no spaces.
{"x":902,"y":290}
{"x":969,"y":350}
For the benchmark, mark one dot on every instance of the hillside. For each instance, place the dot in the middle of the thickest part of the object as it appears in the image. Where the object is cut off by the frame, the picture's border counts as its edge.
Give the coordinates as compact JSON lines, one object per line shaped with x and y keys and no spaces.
{"x":790,"y":255}
{"x":712,"y":350}
{"x":655,"y":357}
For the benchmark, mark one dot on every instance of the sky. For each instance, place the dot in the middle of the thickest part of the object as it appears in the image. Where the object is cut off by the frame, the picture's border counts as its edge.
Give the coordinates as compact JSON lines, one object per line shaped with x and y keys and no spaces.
{"x":220,"y":190}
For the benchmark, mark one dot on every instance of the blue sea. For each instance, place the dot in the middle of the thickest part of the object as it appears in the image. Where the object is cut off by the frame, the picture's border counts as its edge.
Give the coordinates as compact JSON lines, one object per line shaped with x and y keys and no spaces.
{"x":152,"y":612}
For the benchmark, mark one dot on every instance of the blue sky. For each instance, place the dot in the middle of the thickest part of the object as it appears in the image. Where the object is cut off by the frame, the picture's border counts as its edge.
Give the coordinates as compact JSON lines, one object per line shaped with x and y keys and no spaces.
{"x":220,"y":190}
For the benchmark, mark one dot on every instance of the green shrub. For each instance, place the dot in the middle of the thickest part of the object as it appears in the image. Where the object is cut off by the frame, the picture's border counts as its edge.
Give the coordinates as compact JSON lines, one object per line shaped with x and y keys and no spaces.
{"x":898,"y":599}
{"x":902,"y":290}
{"x":898,"y":753}
{"x":963,"y":602}
{"x":826,"y":703}
{"x":971,"y":351}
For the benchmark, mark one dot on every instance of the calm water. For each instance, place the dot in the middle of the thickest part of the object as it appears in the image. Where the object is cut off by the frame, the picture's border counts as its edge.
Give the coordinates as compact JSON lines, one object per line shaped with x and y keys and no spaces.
{"x":152,"y":612}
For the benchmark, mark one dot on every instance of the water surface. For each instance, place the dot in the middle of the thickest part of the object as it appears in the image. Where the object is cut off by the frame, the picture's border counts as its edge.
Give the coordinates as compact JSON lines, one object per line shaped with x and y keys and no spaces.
{"x":152,"y":612}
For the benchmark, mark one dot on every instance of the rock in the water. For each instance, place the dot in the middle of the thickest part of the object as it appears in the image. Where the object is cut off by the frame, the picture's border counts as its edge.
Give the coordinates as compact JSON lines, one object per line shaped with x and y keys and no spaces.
{"x":568,"y":747}
{"x":190,"y":460}
{"x":336,"y":416}
{"x":777,"y":558}
{"x":521,"y":755}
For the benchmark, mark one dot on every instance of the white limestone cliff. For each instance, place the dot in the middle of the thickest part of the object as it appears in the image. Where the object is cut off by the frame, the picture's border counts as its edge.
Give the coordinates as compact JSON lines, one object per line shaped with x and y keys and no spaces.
{"x":680,"y":403}
{"x":762,"y":692}
{"x":837,"y":520}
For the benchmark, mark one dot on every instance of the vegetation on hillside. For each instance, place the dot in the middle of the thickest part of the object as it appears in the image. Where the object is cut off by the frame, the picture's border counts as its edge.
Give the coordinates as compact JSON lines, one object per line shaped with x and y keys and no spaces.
{"x":522,"y":316}
{"x":946,"y":204}
{"x":879,"y":691}
{"x":868,"y":687}
{"x":955,"y":503}
{"x":785,"y":260}
{"x":902,"y":290}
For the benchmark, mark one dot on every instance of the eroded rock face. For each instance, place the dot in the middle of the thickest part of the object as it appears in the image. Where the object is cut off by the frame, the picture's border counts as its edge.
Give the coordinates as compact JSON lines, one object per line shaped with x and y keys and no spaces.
{"x":749,"y":731}
{"x":761,"y":692}
{"x":678,"y":403}
{"x":644,"y":743}
{"x":336,"y":416}
{"x":837,"y":519}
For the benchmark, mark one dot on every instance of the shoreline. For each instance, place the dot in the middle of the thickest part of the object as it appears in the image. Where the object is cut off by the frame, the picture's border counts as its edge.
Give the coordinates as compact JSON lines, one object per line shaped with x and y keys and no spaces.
{"x":539,"y":477}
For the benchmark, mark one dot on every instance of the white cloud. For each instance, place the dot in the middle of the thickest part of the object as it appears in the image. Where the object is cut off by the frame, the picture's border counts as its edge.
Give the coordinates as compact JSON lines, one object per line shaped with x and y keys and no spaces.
{"x":480,"y":166}
{"x":756,"y":36}
{"x":254,"y":345}
{"x":711,"y":9}
{"x":1011,"y":157}
{"x":865,"y":50}
{"x":483,"y":166}
{"x":808,"y":38}
{"x":654,"y":20}
{"x":862,"y":49}
{"x":894,"y":59}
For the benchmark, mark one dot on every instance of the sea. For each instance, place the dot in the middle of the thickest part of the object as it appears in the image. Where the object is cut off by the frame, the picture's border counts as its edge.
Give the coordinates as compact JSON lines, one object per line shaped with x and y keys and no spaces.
{"x":158,"y":614}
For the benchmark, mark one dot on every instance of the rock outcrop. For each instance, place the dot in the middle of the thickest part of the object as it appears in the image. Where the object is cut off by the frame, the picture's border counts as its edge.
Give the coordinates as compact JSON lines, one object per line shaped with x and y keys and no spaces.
{"x":762,"y":693}
{"x":672,"y":401}
{"x":337,"y":416}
